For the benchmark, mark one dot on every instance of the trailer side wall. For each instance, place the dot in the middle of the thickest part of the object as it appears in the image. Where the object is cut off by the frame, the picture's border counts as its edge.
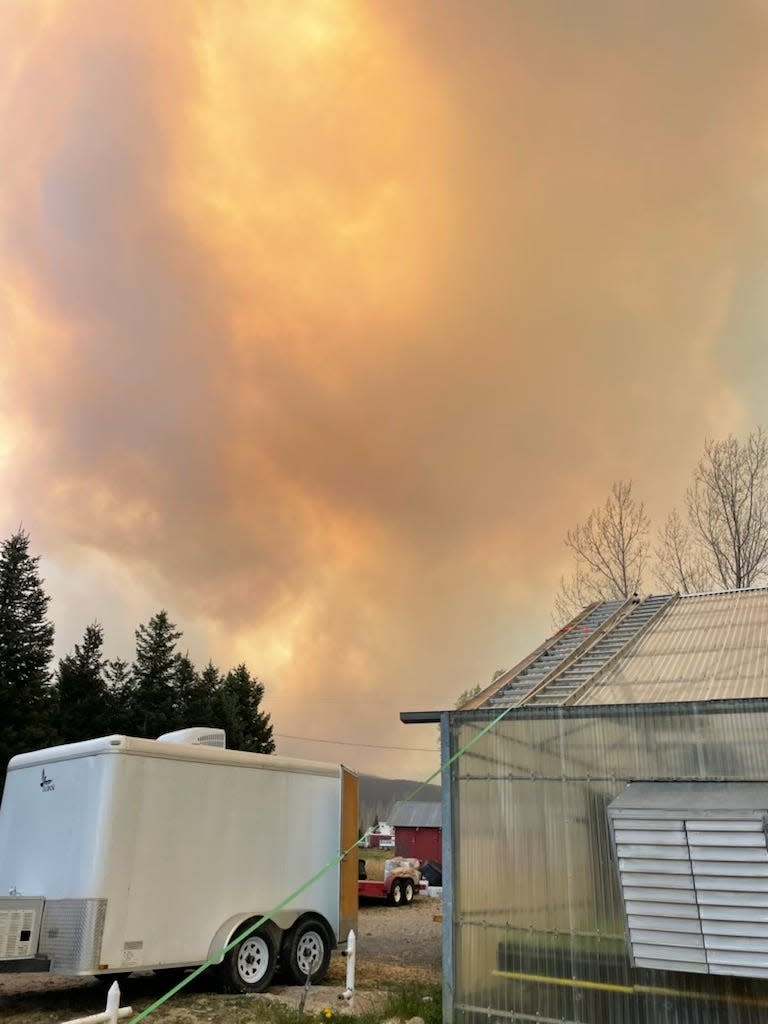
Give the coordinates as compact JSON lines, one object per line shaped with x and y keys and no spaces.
{"x":176,"y":840}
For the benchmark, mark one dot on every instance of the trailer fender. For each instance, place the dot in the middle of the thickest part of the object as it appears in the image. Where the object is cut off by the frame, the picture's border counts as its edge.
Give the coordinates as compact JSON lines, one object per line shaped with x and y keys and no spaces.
{"x":279,"y":923}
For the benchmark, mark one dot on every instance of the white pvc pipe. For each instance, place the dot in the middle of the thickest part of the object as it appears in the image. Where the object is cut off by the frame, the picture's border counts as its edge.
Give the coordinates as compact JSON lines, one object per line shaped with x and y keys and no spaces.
{"x":113,"y":1002}
{"x":103,"y":1017}
{"x":351,"y":955}
{"x":111,"y":1014}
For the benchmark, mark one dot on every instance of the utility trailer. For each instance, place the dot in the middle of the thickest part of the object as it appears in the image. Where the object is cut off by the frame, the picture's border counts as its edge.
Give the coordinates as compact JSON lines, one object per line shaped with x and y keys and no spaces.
{"x":121,"y":854}
{"x":400,"y":885}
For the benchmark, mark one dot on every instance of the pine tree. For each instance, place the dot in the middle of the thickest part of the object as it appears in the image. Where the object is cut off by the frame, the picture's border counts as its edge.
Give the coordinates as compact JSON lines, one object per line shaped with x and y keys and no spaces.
{"x":186,"y":687}
{"x":200,"y":703}
{"x":26,"y":648}
{"x":246,"y":726}
{"x":119,"y":680}
{"x":83,"y":697}
{"x":153,"y":677}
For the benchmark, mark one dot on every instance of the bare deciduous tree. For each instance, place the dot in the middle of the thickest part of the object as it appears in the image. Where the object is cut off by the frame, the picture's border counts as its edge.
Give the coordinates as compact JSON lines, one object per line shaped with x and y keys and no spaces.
{"x":679,"y":564}
{"x":610,"y":551}
{"x":727,"y":506}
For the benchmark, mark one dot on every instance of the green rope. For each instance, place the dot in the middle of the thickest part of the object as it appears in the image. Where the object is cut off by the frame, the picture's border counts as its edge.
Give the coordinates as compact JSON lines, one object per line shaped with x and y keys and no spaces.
{"x":216,"y":958}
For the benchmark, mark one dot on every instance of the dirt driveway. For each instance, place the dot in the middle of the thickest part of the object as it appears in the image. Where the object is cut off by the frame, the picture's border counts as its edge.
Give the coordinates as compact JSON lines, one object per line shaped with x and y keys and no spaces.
{"x":395,"y":945}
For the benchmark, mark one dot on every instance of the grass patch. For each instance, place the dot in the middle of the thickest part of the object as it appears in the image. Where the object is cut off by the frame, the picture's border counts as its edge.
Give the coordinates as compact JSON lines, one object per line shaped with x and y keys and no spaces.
{"x":404,"y":1001}
{"x":413,"y":1000}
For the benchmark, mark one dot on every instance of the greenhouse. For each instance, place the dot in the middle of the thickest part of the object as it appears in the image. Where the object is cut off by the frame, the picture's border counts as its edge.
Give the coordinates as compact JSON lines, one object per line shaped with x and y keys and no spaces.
{"x":605,"y":822}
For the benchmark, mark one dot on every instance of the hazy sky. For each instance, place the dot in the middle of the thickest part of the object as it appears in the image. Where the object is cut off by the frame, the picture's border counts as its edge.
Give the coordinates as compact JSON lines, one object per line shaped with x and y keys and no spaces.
{"x":322,"y":322}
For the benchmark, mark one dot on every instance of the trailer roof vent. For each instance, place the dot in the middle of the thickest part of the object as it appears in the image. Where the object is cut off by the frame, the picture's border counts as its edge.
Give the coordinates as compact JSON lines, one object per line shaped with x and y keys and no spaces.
{"x":202,"y":736}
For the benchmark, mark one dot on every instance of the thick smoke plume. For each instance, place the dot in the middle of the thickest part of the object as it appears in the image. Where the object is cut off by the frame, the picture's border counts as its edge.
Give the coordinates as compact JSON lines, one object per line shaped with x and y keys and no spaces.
{"x":323,"y":321}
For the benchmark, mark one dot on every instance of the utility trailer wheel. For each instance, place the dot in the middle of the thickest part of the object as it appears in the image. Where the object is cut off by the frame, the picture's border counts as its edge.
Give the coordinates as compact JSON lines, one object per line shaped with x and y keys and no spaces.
{"x":396,"y":893}
{"x":408,"y":892}
{"x":307,"y":950}
{"x":249,"y":965}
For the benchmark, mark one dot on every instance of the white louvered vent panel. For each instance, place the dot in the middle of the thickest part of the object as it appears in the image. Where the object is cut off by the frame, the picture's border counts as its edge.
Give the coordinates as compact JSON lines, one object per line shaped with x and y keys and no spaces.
{"x":693,"y":868}
{"x":655,"y":870}
{"x":720,"y":857}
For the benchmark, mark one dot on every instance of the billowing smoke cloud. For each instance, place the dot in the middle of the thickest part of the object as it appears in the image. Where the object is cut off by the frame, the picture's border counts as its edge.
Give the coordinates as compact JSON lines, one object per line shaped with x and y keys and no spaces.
{"x":323,"y":321}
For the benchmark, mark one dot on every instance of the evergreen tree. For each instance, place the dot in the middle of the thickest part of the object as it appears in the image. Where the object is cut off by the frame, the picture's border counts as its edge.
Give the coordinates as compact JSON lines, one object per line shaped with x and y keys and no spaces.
{"x":117,"y":674}
{"x":26,"y":648}
{"x":246,"y":726}
{"x":200,"y":702}
{"x":153,"y":677}
{"x":83,"y":697}
{"x":186,"y":685}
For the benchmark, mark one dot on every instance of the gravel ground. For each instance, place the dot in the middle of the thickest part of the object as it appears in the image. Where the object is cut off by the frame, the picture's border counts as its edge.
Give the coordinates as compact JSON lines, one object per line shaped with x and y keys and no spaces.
{"x":405,"y":936}
{"x":394,"y":945}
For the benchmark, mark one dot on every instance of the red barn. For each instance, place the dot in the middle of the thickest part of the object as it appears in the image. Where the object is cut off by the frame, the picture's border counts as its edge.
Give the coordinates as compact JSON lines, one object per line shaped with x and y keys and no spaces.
{"x":418,"y":830}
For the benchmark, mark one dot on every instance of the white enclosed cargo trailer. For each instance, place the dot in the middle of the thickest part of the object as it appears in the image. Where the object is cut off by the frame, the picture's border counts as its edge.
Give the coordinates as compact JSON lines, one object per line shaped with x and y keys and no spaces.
{"x":121,"y":854}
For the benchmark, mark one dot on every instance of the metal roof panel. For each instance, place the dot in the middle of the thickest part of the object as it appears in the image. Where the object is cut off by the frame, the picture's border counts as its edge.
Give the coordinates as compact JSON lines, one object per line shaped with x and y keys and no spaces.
{"x":415,"y":814}
{"x":706,"y":647}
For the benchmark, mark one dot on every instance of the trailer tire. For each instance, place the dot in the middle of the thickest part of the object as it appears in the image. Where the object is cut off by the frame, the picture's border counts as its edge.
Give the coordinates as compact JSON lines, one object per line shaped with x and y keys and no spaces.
{"x":408,"y":891}
{"x":250,"y":965}
{"x":307,"y":943}
{"x":396,"y":893}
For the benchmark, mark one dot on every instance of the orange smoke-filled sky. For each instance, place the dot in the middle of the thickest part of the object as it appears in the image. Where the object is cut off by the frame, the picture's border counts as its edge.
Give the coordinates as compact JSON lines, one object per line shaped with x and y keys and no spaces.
{"x":322,"y":322}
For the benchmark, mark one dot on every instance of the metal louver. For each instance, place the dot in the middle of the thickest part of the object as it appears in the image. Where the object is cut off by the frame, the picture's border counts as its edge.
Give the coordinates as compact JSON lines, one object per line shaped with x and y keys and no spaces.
{"x":693,"y":866}
{"x":19,"y":926}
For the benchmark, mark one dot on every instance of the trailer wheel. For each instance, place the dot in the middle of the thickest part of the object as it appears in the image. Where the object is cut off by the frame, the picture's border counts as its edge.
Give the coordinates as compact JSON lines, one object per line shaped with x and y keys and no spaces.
{"x":396,"y":893}
{"x":408,"y":892}
{"x":249,"y":966}
{"x":307,"y":951}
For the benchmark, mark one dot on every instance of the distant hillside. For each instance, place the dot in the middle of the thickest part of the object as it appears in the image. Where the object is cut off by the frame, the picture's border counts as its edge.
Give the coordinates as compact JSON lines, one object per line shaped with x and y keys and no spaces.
{"x":377,"y":797}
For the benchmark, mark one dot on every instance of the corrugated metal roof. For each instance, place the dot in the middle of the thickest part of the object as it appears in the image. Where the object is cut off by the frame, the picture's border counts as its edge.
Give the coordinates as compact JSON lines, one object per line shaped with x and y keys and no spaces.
{"x":705,"y":647}
{"x":412,"y":814}
{"x":695,"y":647}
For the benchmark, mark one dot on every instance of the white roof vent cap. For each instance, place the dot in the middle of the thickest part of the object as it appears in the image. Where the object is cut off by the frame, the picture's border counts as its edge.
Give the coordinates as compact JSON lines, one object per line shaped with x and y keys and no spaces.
{"x":199,"y":735}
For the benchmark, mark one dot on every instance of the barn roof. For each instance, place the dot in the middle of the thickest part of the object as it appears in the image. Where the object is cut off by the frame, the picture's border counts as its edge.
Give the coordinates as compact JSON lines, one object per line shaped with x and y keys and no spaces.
{"x":412,"y":814}
{"x":661,"y":648}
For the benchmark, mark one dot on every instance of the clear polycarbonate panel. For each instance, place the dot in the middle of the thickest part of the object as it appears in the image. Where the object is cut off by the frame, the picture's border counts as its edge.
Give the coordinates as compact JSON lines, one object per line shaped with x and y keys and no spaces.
{"x":538,"y":918}
{"x":704,"y":647}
